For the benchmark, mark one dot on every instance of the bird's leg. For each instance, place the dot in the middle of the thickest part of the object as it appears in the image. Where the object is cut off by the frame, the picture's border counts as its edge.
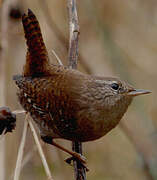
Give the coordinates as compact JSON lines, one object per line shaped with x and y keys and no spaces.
{"x":70,"y":159}
{"x":74,"y":155}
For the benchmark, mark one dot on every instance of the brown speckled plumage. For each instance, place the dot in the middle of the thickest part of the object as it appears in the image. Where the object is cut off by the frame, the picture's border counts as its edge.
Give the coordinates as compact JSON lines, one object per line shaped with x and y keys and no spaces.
{"x":61,"y":109}
{"x":66,"y":103}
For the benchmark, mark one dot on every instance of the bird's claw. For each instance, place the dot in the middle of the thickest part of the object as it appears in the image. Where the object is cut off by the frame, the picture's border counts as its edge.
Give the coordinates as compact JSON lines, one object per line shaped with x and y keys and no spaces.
{"x":77,"y":157}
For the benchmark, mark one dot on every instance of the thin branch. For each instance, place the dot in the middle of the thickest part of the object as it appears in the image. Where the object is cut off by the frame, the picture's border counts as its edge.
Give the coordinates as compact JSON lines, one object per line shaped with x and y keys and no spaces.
{"x":21,"y":150}
{"x":74,"y":34}
{"x":80,"y":171}
{"x":58,"y":59}
{"x":41,"y":153}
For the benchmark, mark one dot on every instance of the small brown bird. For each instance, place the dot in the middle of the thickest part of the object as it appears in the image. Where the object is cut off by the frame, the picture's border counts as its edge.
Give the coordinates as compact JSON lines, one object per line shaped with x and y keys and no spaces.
{"x":66,"y":103}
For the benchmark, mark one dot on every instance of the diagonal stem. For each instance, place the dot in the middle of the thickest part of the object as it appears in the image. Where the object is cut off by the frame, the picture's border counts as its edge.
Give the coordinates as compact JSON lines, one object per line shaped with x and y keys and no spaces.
{"x":21,"y":149}
{"x":41,"y":153}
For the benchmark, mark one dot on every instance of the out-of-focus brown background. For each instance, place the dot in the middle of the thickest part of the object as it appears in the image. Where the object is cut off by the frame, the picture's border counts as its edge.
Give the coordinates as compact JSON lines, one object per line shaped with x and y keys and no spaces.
{"x":118,"y":38}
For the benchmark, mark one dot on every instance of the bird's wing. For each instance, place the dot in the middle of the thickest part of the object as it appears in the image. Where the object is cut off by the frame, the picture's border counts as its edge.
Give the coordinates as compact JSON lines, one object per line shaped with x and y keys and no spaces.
{"x":49,"y":96}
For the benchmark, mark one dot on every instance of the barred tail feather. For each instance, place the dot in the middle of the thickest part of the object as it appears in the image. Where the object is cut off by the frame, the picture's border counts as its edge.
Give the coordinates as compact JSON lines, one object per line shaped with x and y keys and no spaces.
{"x":37,"y":56}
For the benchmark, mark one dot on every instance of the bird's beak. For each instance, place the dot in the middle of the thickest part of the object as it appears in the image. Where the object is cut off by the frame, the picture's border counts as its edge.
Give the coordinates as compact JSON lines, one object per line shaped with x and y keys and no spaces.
{"x":137,"y":92}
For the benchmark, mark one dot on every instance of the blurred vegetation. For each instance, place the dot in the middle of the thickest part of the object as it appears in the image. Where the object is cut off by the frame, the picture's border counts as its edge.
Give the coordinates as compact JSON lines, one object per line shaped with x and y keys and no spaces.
{"x":118,"y":38}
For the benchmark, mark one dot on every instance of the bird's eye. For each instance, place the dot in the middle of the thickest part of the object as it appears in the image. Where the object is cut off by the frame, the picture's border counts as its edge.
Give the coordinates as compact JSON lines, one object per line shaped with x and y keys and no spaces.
{"x":115,"y":86}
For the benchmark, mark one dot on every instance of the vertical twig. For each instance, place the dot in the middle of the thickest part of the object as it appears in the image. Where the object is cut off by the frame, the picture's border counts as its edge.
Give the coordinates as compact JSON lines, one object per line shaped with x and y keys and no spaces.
{"x":74,"y":34}
{"x":80,"y":172}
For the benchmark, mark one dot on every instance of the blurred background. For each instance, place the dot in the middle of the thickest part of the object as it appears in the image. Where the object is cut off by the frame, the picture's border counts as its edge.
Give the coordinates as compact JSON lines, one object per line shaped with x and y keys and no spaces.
{"x":117,"y":38}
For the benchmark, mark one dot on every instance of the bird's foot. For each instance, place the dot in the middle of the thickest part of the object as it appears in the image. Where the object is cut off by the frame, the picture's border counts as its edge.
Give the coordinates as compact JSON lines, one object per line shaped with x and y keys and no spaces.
{"x":79,"y":158}
{"x":75,"y":156}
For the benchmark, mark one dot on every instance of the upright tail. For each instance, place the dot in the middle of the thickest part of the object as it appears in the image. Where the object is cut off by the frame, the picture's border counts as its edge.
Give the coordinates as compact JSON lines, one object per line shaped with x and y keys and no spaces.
{"x":37,"y":57}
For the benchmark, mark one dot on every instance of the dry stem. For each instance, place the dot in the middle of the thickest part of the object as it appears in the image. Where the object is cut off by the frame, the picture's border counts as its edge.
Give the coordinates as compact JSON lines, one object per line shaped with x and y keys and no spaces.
{"x":41,"y":153}
{"x":74,"y":34}
{"x":57,"y":58}
{"x":80,"y":172}
{"x":21,"y":150}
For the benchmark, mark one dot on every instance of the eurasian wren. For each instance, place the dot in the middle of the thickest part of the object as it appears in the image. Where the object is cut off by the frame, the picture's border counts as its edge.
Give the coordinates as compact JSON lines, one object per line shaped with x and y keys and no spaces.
{"x":66,"y":103}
